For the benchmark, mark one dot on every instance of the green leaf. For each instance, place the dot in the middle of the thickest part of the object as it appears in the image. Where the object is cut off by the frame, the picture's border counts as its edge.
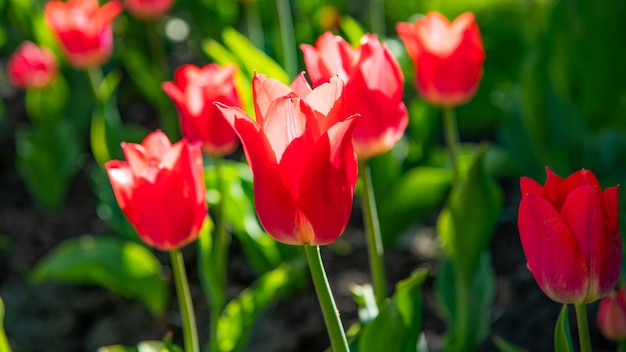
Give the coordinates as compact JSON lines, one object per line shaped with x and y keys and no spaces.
{"x":127,"y":268}
{"x":143,"y":346}
{"x":468,"y":324}
{"x":352,"y":29}
{"x":47,"y":159}
{"x":45,"y":105}
{"x":413,"y":196}
{"x":562,"y":335}
{"x":397,"y":326}
{"x":468,"y":220}
{"x":506,"y":346}
{"x":252,"y":58}
{"x":4,"y":343}
{"x":234,"y":326}
{"x":363,"y":296}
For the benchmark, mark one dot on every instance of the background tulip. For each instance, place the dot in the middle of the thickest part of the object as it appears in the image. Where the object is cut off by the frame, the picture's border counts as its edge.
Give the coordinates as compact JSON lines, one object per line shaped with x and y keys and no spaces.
{"x":148,"y":9}
{"x":570,"y":235}
{"x":31,"y":66}
{"x":612,"y":315}
{"x":300,"y":153}
{"x":83,"y":29}
{"x":194,"y":91}
{"x":373,"y":88}
{"x":448,"y":57}
{"x":160,"y":188}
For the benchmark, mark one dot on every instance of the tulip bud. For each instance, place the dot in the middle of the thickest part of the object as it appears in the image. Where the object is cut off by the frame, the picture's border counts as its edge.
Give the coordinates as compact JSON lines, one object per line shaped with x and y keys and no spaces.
{"x":83,"y":29}
{"x":31,"y":66}
{"x":448,"y":57}
{"x":612,"y":315}
{"x":570,"y":235}
{"x":148,"y":9}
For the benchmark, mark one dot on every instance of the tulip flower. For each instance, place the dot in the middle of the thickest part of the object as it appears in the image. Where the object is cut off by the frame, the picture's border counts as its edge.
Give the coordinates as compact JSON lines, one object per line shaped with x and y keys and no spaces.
{"x":448,"y":57}
{"x":300,"y":152}
{"x":373,"y":88}
{"x":83,"y":29}
{"x":31,"y":66}
{"x":148,"y":9}
{"x":570,"y":235}
{"x":160,"y":188}
{"x":612,"y":315}
{"x":194,"y":91}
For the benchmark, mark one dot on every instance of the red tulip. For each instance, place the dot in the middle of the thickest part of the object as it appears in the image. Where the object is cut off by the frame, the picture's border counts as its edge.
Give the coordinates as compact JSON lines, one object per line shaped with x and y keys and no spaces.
{"x":83,"y":29}
{"x":373,"y":88}
{"x":31,"y":66}
{"x":148,"y":9}
{"x":448,"y":57}
{"x":570,"y":235}
{"x":160,"y":188}
{"x":301,"y":157}
{"x":612,"y":315}
{"x":194,"y":91}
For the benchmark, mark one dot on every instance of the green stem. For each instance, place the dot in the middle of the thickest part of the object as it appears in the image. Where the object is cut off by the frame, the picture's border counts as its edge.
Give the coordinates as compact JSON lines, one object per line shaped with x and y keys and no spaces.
{"x":253,"y":22}
{"x":338,"y":338}
{"x":374,"y":239}
{"x":377,"y":16}
{"x":583,"y":327}
{"x":285,"y":19}
{"x":184,"y":302}
{"x":462,"y":316}
{"x":95,"y":81}
{"x":452,"y":141}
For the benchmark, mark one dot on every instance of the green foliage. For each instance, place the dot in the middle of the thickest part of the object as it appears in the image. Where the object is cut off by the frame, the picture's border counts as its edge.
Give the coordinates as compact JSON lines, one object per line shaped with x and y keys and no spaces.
{"x":506,"y":346}
{"x":240,"y":314}
{"x":396,"y":327}
{"x":143,"y":346}
{"x":562,"y":334}
{"x":124,"y":267}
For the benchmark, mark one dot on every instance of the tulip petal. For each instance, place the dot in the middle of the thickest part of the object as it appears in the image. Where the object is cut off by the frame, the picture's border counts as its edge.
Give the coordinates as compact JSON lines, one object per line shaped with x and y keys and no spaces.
{"x":529,"y":186}
{"x":552,"y":252}
{"x":327,"y":99}
{"x":265,"y":91}
{"x":577,"y":179}
{"x":285,"y":121}
{"x":611,"y":207}
{"x":123,"y":183}
{"x":136,"y":157}
{"x":300,"y":86}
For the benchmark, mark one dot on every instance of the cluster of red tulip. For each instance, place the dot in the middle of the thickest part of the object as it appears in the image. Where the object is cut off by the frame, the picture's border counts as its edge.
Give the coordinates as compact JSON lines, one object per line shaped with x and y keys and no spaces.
{"x":305,"y":143}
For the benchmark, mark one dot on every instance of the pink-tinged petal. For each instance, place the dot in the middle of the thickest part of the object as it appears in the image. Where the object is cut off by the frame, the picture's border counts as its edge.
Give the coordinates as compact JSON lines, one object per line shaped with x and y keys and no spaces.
{"x":174,"y":92}
{"x":612,"y":315}
{"x":611,"y":208}
{"x":123,"y":183}
{"x":194,"y":98}
{"x":341,"y":151}
{"x":300,"y":86}
{"x":105,"y":15}
{"x":313,"y":63}
{"x":606,"y":263}
{"x":529,"y":186}
{"x":552,"y":252}
{"x":285,"y":121}
{"x":327,"y":100}
{"x":156,"y":145}
{"x":380,"y":70}
{"x":407,"y":32}
{"x":175,"y":155}
{"x":265,"y":91}
{"x":135,"y":155}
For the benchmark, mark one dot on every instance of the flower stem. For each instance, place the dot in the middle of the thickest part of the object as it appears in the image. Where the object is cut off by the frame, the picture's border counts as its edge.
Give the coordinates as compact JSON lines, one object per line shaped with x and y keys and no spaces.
{"x":452,"y":141}
{"x":184,"y":302}
{"x":583,"y":327}
{"x":338,"y":338}
{"x":253,"y":24}
{"x":95,"y":80}
{"x":285,"y":20}
{"x":374,"y":238}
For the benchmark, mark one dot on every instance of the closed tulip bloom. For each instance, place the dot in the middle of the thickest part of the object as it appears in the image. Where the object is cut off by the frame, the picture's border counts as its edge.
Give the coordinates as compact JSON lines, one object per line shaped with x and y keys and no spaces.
{"x":148,"y":9}
{"x":612,"y":315}
{"x":570,"y":235}
{"x":31,"y":66}
{"x":83,"y":29}
{"x":160,"y":188}
{"x":300,"y":152}
{"x":373,"y":88}
{"x":194,"y":90}
{"x":448,"y":57}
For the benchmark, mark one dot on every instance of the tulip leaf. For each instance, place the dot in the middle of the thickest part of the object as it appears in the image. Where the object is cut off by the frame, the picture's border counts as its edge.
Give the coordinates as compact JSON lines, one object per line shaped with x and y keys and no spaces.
{"x":562,"y":336}
{"x":363,"y":296}
{"x":46,"y":105}
{"x":397,"y":326}
{"x":412,"y":197}
{"x":143,"y":346}
{"x":352,"y":29}
{"x":234,"y":326}
{"x":476,"y":293}
{"x":47,"y":159}
{"x":4,"y":343}
{"x":127,"y":268}
{"x":470,"y":216}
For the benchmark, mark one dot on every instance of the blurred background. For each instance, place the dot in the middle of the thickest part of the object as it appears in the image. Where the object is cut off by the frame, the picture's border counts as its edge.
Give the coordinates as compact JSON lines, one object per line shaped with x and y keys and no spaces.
{"x":553,"y":94}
